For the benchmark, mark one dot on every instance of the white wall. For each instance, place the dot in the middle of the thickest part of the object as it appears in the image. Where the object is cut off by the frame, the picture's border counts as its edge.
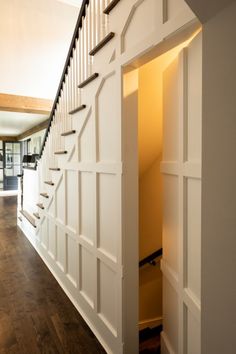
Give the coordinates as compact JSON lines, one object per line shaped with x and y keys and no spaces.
{"x":35,"y":36}
{"x":219,"y":192}
{"x":36,"y":140}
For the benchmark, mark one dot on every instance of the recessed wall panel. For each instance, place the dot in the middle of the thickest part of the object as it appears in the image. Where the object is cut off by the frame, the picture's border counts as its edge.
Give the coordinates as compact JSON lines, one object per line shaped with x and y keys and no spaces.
{"x":61,"y":248}
{"x":170,"y":221}
{"x":44,"y":237}
{"x":52,"y":239}
{"x":86,"y":145}
{"x":87,"y":206}
{"x":51,"y":208}
{"x":192,"y":335}
{"x":193,"y":235}
{"x":107,"y":296}
{"x":170,"y":314}
{"x":108,"y":125}
{"x":87,"y":275}
{"x":143,"y":20}
{"x":72,"y":198}
{"x":109,"y":214}
{"x":173,"y":8}
{"x":60,"y":201}
{"x":194,"y":116}
{"x":71,"y":258}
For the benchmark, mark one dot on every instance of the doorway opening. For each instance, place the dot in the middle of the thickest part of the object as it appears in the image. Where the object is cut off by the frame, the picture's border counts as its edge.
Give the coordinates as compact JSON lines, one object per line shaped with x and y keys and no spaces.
{"x":144,"y":89}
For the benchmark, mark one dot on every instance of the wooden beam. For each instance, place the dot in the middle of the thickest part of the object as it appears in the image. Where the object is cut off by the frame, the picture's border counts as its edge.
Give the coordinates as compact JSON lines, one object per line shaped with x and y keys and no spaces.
{"x":8,"y":138}
{"x":14,"y":103}
{"x":34,"y":130}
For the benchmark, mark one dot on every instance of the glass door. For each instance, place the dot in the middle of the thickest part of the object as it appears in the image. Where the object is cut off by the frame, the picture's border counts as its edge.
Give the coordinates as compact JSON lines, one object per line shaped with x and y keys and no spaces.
{"x":1,"y":165}
{"x":12,"y":164}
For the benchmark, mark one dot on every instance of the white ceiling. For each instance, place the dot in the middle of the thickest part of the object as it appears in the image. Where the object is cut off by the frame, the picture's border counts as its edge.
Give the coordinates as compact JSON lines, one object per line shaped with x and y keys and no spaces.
{"x":13,"y":124}
{"x":76,"y":3}
{"x":35,"y":37}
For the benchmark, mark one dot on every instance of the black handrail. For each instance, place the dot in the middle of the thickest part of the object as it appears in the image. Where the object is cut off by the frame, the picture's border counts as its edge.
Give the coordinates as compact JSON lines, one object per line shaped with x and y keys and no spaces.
{"x":70,"y":53}
{"x":151,"y":258}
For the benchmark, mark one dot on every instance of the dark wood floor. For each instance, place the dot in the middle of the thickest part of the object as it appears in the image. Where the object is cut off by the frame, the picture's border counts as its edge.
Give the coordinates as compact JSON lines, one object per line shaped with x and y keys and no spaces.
{"x":35,"y":314}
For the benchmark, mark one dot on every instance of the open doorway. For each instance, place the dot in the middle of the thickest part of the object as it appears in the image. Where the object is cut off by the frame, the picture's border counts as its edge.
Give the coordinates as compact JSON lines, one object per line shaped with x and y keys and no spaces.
{"x":151,"y":97}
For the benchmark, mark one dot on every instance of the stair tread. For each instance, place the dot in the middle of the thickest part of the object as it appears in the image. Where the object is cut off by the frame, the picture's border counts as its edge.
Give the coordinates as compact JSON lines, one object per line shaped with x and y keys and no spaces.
{"x":102,"y":43}
{"x":80,"y":108}
{"x":45,"y":195}
{"x":88,"y":80}
{"x":69,"y":132}
{"x":40,"y":205}
{"x":60,"y":152}
{"x":50,"y":183}
{"x":110,"y":7}
{"x":54,"y":169}
{"x":28,"y":217}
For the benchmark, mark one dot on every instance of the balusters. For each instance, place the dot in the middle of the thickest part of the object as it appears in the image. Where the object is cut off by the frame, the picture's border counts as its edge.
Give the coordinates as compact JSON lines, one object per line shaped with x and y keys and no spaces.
{"x":90,"y":39}
{"x":71,"y":87}
{"x":98,"y":26}
{"x":103,"y":21}
{"x":86,"y":29}
{"x":62,"y":120}
{"x":95,"y":27}
{"x":93,"y":24}
{"x":78,"y":72}
{"x":65,"y":102}
{"x":107,"y":2}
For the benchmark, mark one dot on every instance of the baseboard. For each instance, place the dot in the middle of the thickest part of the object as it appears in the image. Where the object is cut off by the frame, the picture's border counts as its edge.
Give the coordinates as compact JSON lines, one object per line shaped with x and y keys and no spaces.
{"x":151,"y":323}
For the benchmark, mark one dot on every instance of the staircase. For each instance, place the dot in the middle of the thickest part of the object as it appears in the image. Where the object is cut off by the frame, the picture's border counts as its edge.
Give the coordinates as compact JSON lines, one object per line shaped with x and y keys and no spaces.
{"x":77,"y":199}
{"x":63,"y":164}
{"x":91,"y":35}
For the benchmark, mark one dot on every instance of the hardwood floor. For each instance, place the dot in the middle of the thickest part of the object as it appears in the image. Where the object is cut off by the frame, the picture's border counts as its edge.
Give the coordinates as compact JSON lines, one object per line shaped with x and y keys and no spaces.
{"x":35,"y":314}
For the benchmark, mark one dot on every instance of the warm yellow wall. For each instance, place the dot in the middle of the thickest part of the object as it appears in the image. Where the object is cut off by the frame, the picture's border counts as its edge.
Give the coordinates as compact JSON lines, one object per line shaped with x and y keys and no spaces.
{"x":150,"y":114}
{"x":150,"y":188}
{"x":150,"y":119}
{"x":150,"y":231}
{"x":150,"y":210}
{"x":150,"y":108}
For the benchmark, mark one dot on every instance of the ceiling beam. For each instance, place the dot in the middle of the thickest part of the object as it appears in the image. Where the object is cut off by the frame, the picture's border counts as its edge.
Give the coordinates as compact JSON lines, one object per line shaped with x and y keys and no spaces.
{"x":33,"y":130}
{"x":24,"y":104}
{"x":8,"y":138}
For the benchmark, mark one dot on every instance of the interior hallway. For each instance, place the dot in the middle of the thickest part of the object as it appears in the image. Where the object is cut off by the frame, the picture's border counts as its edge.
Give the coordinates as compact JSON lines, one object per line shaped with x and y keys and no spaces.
{"x":35,"y":314}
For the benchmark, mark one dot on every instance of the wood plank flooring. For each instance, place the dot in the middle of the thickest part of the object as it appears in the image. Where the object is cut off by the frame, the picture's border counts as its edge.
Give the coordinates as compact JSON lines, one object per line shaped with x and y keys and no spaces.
{"x":35,"y":314}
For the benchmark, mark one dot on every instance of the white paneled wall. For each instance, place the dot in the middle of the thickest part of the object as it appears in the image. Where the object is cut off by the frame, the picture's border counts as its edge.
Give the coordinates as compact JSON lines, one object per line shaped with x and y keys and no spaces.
{"x":85,"y":234}
{"x":181,"y":168}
